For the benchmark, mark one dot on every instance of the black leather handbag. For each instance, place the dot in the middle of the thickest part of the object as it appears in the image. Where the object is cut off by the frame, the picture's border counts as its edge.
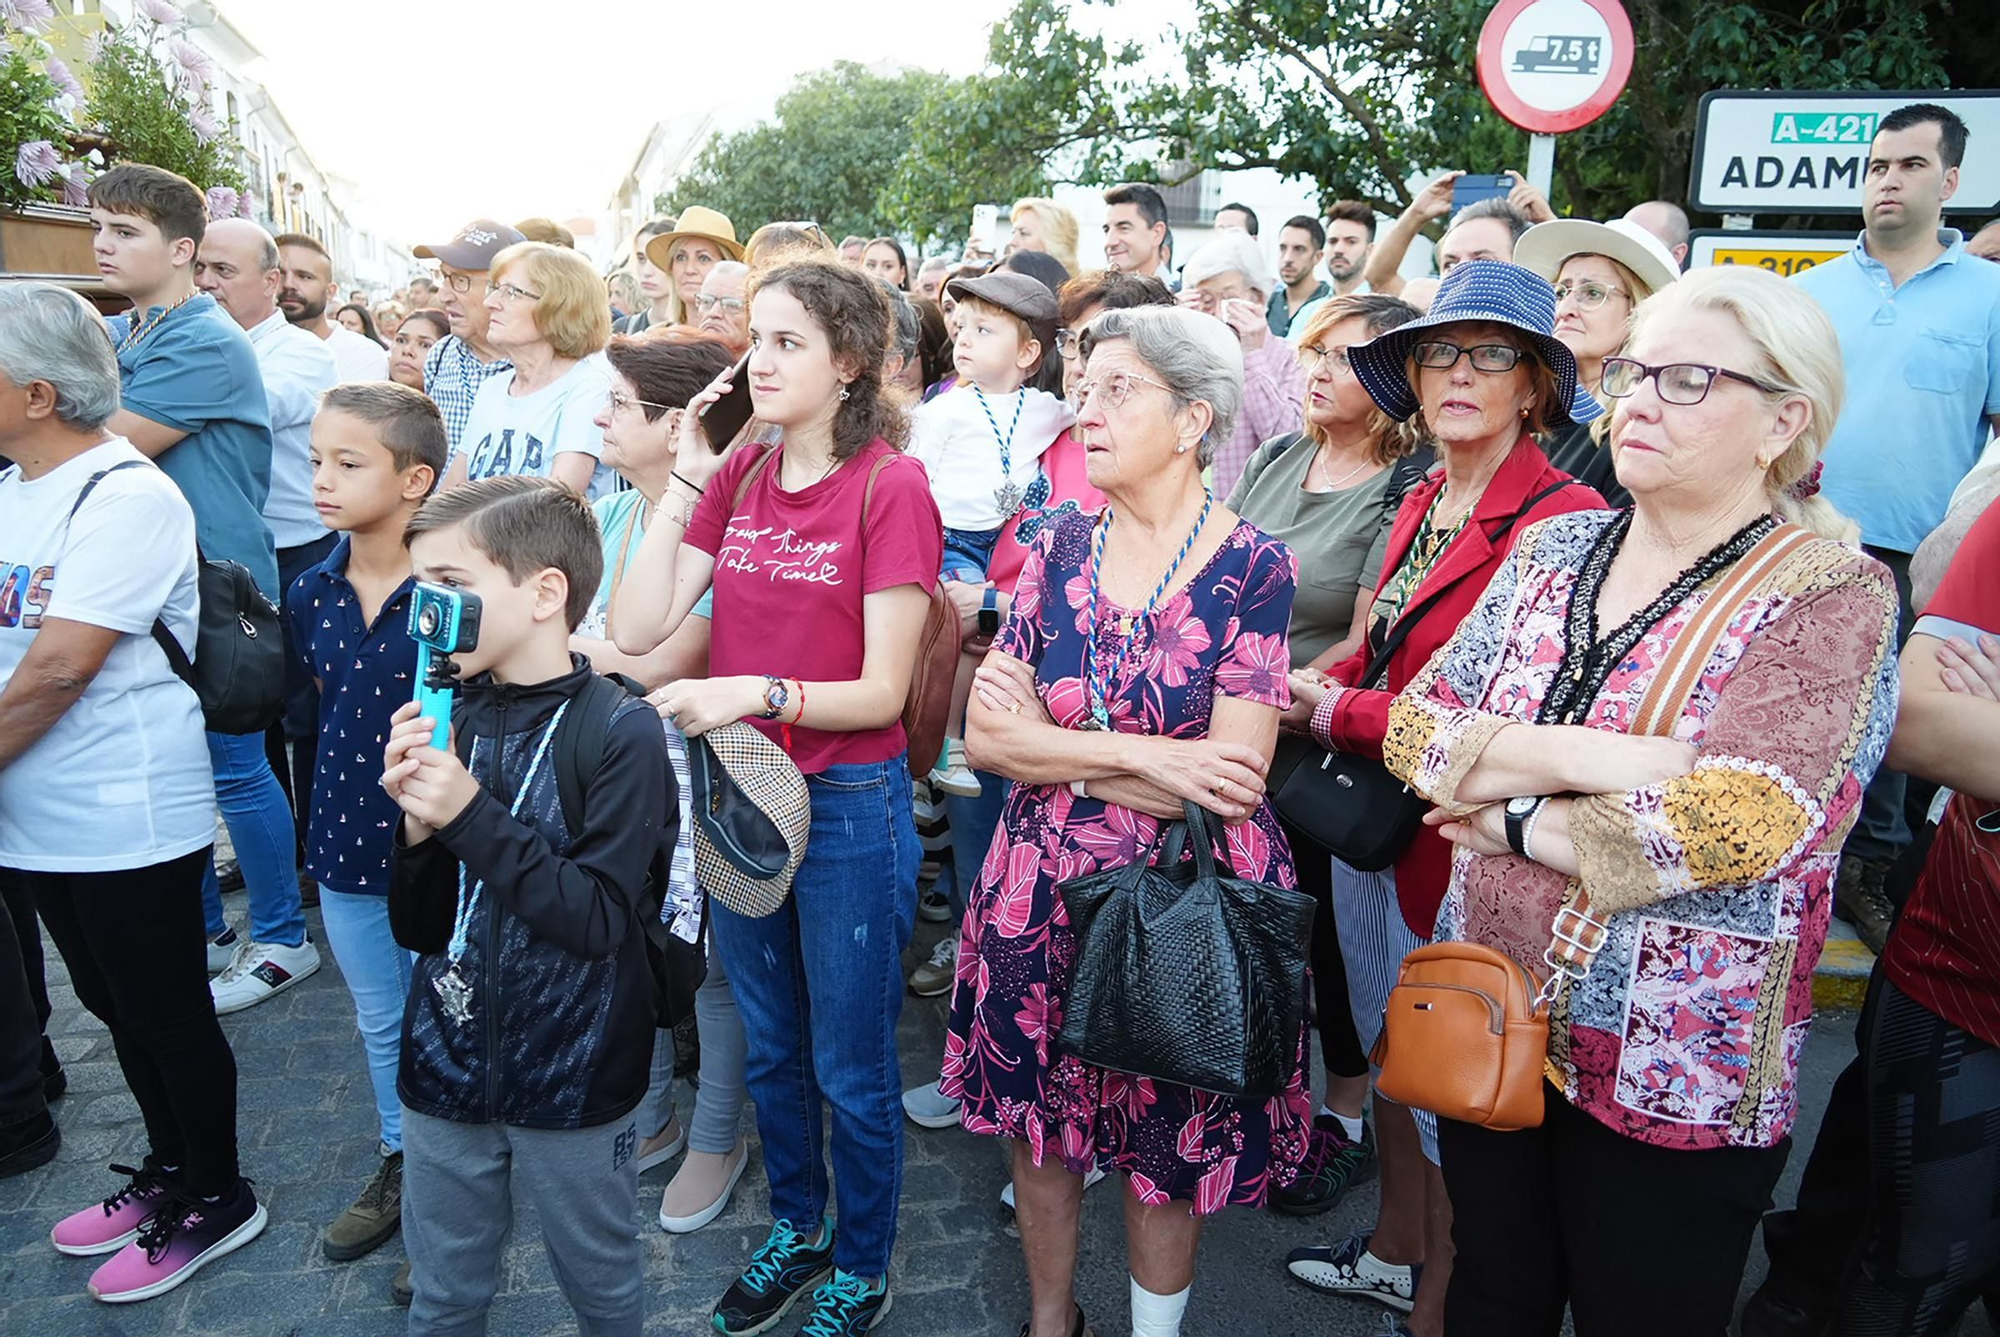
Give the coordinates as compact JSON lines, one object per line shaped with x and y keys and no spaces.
{"x":1185,"y":972}
{"x":1351,"y":806}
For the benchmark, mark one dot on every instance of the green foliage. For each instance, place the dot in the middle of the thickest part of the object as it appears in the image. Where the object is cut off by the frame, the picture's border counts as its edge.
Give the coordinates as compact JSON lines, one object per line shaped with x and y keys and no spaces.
{"x":136,"y":106}
{"x":1357,"y":97}
{"x":27,"y":113}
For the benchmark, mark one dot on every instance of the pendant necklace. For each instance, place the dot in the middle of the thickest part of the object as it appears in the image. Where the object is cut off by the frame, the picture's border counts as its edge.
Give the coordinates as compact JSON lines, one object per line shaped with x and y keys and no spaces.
{"x":1006,"y":496}
{"x":1096,"y":680}
{"x":454,"y":991}
{"x":1320,"y":460}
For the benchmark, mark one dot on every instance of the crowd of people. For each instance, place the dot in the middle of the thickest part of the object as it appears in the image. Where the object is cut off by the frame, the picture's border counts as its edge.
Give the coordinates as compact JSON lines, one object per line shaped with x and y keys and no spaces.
{"x":1661,"y":605}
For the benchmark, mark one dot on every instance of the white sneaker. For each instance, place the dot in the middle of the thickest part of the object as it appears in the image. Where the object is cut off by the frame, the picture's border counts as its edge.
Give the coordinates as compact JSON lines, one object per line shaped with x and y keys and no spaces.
{"x":952,"y":775}
{"x":934,"y":906}
{"x":929,"y":1107}
{"x":260,"y":971}
{"x":222,"y":950}
{"x":935,"y":977}
{"x":1096,"y":1176}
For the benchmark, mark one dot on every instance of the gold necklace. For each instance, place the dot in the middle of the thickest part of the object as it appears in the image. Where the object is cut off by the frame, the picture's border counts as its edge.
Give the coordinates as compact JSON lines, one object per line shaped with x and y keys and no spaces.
{"x":139,"y":332}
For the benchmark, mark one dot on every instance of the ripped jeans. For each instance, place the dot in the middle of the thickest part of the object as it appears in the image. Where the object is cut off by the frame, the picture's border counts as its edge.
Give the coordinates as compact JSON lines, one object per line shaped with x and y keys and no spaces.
{"x":820,"y":985}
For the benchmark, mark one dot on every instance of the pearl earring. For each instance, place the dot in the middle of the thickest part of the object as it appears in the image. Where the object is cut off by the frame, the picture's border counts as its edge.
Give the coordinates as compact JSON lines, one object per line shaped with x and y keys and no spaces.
{"x":1181,"y":449}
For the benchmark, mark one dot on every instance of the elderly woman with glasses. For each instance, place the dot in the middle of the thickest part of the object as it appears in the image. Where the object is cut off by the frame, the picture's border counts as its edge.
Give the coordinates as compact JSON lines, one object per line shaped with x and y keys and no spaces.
{"x":1657,"y":724}
{"x":1143,"y":664}
{"x":546,"y":315}
{"x":1601,"y":272}
{"x":1485,"y":373}
{"x":1229,"y":278}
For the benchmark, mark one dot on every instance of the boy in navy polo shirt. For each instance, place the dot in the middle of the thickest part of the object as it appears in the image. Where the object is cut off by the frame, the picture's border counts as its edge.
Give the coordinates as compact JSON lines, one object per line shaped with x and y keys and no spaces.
{"x":377,"y":451}
{"x":193,"y":400}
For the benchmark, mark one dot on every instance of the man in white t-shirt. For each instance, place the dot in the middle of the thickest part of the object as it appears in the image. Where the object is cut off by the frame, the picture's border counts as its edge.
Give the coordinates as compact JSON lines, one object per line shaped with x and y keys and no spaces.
{"x":307,"y":292}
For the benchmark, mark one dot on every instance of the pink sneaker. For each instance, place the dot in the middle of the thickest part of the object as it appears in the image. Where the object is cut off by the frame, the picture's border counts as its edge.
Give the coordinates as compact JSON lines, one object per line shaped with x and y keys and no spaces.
{"x":177,"y":1241}
{"x":109,"y":1226}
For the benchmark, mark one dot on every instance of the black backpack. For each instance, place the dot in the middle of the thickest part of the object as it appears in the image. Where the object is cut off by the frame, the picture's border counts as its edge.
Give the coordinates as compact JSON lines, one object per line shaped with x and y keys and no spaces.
{"x":678,"y":967}
{"x":238,"y":670}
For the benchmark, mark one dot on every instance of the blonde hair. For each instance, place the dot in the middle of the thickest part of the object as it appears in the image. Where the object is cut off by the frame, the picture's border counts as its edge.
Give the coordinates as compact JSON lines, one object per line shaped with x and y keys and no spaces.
{"x":1059,"y":227}
{"x":1600,"y":431}
{"x":1392,"y":440}
{"x":571,"y":313}
{"x":1797,"y":350}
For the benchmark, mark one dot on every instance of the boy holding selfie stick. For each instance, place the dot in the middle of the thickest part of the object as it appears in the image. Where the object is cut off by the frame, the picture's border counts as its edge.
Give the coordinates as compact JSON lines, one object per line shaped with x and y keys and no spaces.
{"x":530,"y":1018}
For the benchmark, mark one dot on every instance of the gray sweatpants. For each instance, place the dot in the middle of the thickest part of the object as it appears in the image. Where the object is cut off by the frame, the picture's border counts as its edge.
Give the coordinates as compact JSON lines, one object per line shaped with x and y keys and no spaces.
{"x":458,"y":1182}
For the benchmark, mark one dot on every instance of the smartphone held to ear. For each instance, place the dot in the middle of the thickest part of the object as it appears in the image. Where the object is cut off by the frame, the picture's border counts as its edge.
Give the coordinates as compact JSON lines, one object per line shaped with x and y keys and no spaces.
{"x":723,"y":419}
{"x":1472,"y":188}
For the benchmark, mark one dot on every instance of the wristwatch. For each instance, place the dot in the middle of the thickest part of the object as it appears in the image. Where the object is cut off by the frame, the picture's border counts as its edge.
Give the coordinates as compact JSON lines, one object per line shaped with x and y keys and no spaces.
{"x":1521,"y":814}
{"x":989,"y":614}
{"x":775,"y":697}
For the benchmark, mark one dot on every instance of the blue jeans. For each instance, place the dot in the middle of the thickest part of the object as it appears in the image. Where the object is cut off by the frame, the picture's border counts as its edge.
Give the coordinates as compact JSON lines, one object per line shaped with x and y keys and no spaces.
{"x":377,"y":972}
{"x":967,"y":554}
{"x":973,"y":822}
{"x":261,"y":828}
{"x":820,"y":984}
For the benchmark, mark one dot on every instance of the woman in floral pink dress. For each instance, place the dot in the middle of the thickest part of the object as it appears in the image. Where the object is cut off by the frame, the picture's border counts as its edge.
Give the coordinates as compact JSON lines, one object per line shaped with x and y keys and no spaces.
{"x":1144,"y":663}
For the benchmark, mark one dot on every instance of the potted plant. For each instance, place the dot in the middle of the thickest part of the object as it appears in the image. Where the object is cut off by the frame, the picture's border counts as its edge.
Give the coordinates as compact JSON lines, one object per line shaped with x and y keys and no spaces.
{"x":146,"y":101}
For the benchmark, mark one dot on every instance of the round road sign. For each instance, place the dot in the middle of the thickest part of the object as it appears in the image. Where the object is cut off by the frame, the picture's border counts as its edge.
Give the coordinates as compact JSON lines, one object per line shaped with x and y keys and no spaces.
{"x":1551,"y":66}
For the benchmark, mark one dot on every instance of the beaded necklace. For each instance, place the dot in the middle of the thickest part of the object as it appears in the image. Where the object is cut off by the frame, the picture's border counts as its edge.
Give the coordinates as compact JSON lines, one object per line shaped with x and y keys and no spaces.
{"x":1588,"y":661}
{"x":453,"y":989}
{"x":1007,"y":496}
{"x":138,"y":332}
{"x":1096,"y":677}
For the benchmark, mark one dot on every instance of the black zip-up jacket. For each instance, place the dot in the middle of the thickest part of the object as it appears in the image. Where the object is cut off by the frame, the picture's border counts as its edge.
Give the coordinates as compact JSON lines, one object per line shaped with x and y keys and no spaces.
{"x":561,"y":1032}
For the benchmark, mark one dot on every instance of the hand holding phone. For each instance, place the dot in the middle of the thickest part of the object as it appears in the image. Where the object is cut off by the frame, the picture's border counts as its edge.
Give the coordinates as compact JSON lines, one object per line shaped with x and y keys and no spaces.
{"x":1474,"y":187}
{"x":724,"y":406}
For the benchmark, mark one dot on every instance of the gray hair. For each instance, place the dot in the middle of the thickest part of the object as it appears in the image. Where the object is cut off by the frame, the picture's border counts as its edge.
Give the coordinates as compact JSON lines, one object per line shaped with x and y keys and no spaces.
{"x":909,"y":327}
{"x":1195,"y":355}
{"x":727,"y":269}
{"x":51,"y":334}
{"x":1230,"y":252}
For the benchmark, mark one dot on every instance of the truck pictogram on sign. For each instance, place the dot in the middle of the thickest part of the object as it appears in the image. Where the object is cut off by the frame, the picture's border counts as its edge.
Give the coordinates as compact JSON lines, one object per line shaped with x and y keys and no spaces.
{"x":1558,"y":55}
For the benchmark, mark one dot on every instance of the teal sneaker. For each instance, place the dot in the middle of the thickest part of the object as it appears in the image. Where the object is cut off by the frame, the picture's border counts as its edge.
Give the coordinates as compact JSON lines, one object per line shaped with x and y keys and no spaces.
{"x":847,"y":1306}
{"x":779,"y":1272}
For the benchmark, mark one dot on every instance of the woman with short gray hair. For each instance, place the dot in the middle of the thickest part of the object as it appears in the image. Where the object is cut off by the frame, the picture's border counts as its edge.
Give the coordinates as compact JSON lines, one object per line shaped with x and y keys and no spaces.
{"x":113,"y":859}
{"x":1230,"y":279}
{"x":1143,"y":665}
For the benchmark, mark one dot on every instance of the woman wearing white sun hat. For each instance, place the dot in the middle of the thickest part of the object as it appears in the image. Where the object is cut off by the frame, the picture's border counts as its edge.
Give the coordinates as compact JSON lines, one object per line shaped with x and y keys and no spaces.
{"x":1601,"y":272}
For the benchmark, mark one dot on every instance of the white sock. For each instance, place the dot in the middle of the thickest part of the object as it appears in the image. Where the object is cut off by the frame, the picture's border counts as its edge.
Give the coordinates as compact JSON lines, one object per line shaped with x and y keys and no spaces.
{"x":1157,"y":1315}
{"x":1350,"y":1128}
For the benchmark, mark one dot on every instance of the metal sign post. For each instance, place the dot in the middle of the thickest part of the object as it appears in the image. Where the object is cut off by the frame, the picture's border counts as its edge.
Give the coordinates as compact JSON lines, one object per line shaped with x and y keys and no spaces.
{"x":1541,"y":162}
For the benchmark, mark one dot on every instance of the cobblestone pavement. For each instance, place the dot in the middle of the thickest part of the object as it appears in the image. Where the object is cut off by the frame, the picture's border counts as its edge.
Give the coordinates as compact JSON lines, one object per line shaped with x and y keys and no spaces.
{"x":307,"y":1129}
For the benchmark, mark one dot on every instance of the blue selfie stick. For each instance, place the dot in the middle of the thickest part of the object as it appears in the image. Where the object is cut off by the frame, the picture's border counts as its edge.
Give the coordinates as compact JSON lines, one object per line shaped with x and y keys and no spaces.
{"x":443,"y":622}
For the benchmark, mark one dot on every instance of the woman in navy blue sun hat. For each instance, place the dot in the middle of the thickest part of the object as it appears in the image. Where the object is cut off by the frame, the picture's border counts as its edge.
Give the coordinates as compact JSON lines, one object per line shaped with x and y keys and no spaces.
{"x":1486,"y":372}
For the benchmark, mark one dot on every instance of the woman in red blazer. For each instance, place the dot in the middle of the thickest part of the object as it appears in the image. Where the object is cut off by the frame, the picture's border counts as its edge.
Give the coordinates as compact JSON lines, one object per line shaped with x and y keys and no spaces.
{"x":1486,"y":373}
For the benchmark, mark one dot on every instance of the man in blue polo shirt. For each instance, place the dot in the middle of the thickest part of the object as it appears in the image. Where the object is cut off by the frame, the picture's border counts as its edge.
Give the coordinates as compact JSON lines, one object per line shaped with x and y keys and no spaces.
{"x":1919,"y":325}
{"x":193,"y":399}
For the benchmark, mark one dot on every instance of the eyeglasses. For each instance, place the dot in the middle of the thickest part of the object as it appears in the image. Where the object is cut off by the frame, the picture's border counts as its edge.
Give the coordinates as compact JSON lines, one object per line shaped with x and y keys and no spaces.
{"x":1111,"y":391}
{"x":705,"y":304}
{"x":1069,"y":344}
{"x":1682,"y":383}
{"x":620,"y":401}
{"x":507,"y":292}
{"x":1494,"y":358}
{"x":460,"y":283}
{"x":1314,"y":357}
{"x":1589,"y":296}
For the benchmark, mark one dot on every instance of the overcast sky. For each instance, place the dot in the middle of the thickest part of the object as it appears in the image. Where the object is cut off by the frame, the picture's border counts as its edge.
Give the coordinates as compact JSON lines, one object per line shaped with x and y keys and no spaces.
{"x":444,"y":111}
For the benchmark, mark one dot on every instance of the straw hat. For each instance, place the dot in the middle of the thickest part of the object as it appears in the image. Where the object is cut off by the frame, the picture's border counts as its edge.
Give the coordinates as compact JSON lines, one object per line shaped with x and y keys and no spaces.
{"x":706,"y":224}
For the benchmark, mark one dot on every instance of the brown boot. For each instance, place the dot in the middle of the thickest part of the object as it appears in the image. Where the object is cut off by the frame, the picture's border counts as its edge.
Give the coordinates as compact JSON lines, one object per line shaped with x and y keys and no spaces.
{"x":374,"y":1217}
{"x":1859,"y":897}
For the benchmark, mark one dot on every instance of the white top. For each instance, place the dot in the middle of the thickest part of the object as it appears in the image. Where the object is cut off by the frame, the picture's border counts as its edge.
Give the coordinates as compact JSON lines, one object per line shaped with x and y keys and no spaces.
{"x":959,"y":445}
{"x":523,"y":434}
{"x":122,"y":779}
{"x":359,"y":358}
{"x":298,"y":367}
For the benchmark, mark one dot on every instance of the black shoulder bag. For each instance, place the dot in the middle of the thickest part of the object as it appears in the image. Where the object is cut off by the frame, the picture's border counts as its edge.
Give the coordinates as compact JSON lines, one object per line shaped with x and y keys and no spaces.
{"x":238,"y":669}
{"x":1352,"y":806}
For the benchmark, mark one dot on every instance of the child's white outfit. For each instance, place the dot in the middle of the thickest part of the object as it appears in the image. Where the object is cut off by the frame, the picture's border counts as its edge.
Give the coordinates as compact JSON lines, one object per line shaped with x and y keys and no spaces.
{"x":983,"y":453}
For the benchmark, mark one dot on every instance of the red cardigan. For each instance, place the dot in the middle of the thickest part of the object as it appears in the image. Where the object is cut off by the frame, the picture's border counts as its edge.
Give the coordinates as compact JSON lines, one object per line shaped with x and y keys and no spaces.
{"x":1358,"y":721}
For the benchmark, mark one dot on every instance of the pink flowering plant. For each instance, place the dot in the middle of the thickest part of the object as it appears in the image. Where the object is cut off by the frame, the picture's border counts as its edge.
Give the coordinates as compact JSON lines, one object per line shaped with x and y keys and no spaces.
{"x":35,"y":110}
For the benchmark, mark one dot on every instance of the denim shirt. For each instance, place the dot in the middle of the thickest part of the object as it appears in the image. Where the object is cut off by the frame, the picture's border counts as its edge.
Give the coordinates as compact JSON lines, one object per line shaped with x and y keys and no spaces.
{"x":365,"y":672}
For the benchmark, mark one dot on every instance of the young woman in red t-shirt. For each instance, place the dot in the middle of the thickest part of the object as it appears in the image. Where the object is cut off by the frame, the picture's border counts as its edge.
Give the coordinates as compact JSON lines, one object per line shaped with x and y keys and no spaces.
{"x":816,"y":622}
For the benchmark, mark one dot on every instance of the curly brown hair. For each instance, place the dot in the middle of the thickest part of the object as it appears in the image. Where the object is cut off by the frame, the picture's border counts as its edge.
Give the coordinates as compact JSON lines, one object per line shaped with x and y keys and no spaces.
{"x":854,"y":312}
